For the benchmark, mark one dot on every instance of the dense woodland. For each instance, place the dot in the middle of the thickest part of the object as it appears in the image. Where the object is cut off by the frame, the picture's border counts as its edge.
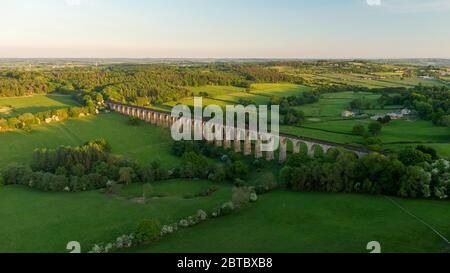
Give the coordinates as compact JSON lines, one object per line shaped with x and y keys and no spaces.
{"x":158,"y":83}
{"x":167,"y":82}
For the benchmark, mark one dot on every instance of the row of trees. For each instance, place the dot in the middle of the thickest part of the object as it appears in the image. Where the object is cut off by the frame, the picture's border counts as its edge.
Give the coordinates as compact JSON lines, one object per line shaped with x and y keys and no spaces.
{"x":408,"y":175}
{"x":83,"y":168}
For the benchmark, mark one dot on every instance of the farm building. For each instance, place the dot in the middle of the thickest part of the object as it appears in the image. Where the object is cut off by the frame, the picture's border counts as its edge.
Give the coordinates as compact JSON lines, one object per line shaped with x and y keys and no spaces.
{"x":348,"y":114}
{"x":394,"y":115}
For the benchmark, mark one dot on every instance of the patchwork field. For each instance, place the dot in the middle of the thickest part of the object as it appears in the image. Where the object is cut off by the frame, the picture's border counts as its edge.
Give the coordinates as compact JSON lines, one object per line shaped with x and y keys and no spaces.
{"x":45,"y":222}
{"x":226,"y":95}
{"x":374,"y":82}
{"x":141,"y":143}
{"x":34,"y":104}
{"x":332,"y":105}
{"x":280,"y":222}
{"x":314,"y":222}
{"x":278,"y":89}
{"x":324,"y":121}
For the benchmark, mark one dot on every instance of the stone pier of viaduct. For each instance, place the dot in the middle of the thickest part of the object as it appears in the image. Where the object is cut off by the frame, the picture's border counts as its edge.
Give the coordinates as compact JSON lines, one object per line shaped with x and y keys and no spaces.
{"x":233,"y":138}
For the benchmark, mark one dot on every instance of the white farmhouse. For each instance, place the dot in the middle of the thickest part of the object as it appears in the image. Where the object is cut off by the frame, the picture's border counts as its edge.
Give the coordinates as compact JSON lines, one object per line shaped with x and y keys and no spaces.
{"x":394,"y":115}
{"x":406,"y":112}
{"x":348,"y":114}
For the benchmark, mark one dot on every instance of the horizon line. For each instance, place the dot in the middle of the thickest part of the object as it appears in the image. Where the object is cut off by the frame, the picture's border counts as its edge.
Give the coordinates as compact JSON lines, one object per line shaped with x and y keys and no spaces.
{"x":224,"y":58}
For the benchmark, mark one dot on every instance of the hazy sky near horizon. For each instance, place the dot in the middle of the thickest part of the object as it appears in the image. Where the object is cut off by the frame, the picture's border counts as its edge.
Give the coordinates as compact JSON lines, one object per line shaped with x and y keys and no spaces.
{"x":225,"y":28}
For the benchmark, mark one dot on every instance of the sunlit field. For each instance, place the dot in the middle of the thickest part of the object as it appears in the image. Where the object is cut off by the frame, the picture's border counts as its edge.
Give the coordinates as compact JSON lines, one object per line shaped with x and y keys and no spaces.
{"x":34,"y":104}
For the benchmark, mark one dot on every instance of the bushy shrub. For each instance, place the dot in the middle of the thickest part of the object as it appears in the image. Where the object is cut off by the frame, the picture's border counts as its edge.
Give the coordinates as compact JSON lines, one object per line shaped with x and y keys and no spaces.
{"x":241,"y":196}
{"x":194,"y":165}
{"x":101,"y":142}
{"x":127,"y":175}
{"x":134,"y":121}
{"x":218,"y":174}
{"x":428,"y":150}
{"x":239,"y":182}
{"x":226,"y":209}
{"x":267,"y":182}
{"x":154,"y":172}
{"x":179,"y":148}
{"x":258,"y":164}
{"x":359,"y":129}
{"x":375,"y":128}
{"x":15,"y":174}
{"x":147,"y":231}
{"x":411,"y":156}
{"x":237,"y":170}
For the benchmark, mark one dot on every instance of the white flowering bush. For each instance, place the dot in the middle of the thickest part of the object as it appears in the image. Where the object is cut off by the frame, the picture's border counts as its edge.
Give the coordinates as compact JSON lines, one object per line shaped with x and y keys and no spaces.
{"x":253,"y":197}
{"x":225,"y":209}
{"x":215,"y":213}
{"x":202,"y":215}
{"x":167,"y":230}
{"x":124,"y":241}
{"x":102,"y":248}
{"x":184,"y":223}
{"x":436,"y":181}
{"x":97,"y":249}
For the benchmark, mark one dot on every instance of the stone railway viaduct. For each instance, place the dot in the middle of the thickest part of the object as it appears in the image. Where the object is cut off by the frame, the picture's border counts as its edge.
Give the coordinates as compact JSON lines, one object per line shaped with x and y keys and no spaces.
{"x":165,"y":119}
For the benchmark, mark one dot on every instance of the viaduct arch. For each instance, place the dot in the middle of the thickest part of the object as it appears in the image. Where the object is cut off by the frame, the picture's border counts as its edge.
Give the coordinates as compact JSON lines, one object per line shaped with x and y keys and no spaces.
{"x":165,"y":120}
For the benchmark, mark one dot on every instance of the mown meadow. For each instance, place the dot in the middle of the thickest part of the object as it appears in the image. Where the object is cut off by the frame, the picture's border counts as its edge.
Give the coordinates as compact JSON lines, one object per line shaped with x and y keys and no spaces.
{"x":33,"y":104}
{"x":142,"y":143}
{"x":35,"y":221}
{"x":323,"y":120}
{"x":315,"y":223}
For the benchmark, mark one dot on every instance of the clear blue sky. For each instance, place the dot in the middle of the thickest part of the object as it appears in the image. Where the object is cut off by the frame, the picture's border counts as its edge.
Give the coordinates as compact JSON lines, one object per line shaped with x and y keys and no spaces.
{"x":225,"y":28}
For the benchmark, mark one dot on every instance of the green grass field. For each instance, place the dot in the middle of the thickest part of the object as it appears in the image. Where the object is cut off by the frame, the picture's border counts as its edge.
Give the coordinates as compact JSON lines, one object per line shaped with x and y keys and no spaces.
{"x":324,"y":121}
{"x":332,"y":105}
{"x":278,"y":89}
{"x":174,"y":188}
{"x":45,"y":222}
{"x":315,"y":222}
{"x":214,"y":90}
{"x":281,"y":221}
{"x":362,"y":80}
{"x":143,"y":143}
{"x":34,"y":104}
{"x":227,"y":95}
